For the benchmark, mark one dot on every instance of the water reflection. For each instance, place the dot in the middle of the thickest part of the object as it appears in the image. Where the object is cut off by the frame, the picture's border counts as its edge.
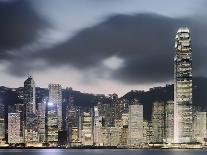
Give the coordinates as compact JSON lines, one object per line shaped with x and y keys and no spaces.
{"x":101,"y":152}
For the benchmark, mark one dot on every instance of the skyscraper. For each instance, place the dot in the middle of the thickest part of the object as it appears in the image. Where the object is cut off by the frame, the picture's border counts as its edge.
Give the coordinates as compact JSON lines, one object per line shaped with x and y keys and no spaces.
{"x":135,"y":125}
{"x":30,"y":110}
{"x":72,"y":121}
{"x":183,"y":123}
{"x":29,"y":96}
{"x":54,"y":112}
{"x":97,"y":124}
{"x":41,"y":121}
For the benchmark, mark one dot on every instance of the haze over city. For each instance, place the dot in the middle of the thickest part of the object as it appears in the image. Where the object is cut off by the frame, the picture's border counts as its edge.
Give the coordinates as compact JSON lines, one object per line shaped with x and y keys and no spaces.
{"x":97,"y":46}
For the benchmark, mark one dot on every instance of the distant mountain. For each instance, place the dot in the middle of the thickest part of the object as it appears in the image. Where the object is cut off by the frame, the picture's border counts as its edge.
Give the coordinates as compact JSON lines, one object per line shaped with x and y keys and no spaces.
{"x":147,"y":98}
{"x":200,"y":92}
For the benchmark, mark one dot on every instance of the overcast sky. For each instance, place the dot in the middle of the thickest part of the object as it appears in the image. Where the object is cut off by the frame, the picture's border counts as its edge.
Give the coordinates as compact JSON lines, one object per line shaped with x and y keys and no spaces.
{"x":97,"y":46}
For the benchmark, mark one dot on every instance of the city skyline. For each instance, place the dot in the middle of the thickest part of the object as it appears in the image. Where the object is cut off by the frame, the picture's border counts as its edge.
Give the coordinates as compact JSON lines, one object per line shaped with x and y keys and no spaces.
{"x":104,"y":51}
{"x":50,"y":118}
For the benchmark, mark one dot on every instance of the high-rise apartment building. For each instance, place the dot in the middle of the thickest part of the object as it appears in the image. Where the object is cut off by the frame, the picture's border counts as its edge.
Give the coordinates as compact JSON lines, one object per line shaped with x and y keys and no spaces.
{"x":183,"y":123}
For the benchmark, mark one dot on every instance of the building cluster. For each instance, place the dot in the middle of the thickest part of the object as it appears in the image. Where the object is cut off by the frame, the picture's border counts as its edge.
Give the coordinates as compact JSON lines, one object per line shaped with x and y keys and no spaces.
{"x":113,"y":123}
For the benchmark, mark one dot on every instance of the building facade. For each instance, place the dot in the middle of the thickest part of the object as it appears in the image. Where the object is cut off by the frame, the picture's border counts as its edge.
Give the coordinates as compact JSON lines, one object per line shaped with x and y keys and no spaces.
{"x":87,"y":129}
{"x":135,"y":125}
{"x":199,"y":123}
{"x":158,"y":122}
{"x":54,"y":113}
{"x":183,"y":122}
{"x":72,"y":122}
{"x":14,"y":128}
{"x":97,"y":125}
{"x":169,"y":122}
{"x":41,"y":115}
{"x":29,"y":96}
{"x":30,"y":111}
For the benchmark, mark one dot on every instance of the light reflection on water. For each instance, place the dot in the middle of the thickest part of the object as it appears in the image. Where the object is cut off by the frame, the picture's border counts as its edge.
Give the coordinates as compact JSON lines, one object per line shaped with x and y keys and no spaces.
{"x":101,"y":152}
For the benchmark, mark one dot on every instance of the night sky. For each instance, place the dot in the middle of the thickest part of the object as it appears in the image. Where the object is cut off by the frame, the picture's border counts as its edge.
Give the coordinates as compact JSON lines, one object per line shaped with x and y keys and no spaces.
{"x":98,"y":46}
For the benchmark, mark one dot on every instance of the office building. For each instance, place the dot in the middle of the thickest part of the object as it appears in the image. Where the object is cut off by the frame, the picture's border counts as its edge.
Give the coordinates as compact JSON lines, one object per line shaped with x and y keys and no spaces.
{"x":183,"y":118}
{"x":30,"y":132}
{"x":29,"y":96}
{"x":158,"y":122}
{"x":72,"y":119}
{"x":97,"y":127}
{"x":87,"y":128}
{"x":135,"y":125}
{"x":41,"y":116}
{"x":54,"y":113}
{"x":14,"y":128}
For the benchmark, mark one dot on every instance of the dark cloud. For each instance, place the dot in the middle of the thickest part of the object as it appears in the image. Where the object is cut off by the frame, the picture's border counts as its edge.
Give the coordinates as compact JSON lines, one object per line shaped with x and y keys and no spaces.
{"x":144,"y":41}
{"x":19,"y":25}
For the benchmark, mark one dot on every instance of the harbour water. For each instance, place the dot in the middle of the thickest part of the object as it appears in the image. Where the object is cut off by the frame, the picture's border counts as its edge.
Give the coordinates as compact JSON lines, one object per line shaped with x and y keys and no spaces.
{"x":103,"y":152}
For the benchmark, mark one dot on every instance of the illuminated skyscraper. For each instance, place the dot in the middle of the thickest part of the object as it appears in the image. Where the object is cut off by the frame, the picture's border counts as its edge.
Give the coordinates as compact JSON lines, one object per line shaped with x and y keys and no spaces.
{"x":183,"y":123}
{"x":72,"y":122}
{"x":41,"y":121}
{"x":97,"y":124}
{"x":29,"y":96}
{"x":30,"y":110}
{"x":54,"y":112}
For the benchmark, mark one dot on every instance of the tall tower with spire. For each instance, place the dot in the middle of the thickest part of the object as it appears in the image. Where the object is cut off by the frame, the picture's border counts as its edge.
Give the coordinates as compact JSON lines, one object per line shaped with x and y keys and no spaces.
{"x":30,"y":111}
{"x":183,"y":118}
